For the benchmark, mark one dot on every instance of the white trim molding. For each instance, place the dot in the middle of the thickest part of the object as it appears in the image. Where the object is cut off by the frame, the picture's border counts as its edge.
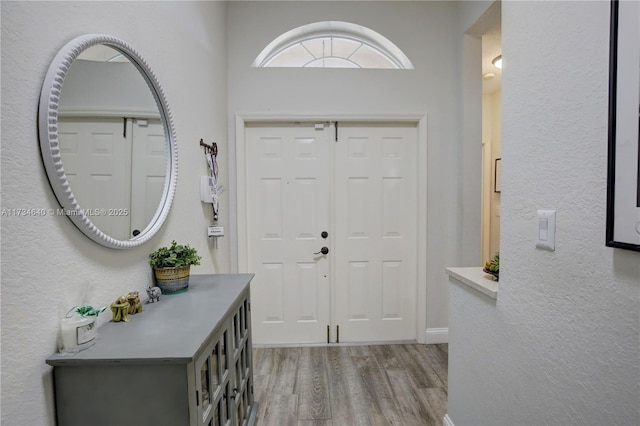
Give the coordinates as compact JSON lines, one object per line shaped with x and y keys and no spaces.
{"x":437,"y":335}
{"x":447,"y":421}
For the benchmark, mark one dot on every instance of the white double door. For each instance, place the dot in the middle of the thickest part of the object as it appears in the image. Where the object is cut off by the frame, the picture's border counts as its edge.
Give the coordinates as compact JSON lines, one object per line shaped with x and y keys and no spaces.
{"x":115,"y":163}
{"x":361,"y":192}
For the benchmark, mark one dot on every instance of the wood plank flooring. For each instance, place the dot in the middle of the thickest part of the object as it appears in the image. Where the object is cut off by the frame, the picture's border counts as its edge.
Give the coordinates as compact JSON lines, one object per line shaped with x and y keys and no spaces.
{"x":373,"y":385}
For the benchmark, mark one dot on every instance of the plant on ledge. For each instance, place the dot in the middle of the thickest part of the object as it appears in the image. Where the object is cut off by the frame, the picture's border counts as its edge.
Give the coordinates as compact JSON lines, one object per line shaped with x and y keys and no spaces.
{"x":493,"y":266}
{"x":172,"y":265}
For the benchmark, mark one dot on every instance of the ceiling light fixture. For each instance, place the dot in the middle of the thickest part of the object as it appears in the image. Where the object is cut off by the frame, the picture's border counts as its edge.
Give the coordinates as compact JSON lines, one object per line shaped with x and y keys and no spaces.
{"x":497,"y":62}
{"x":488,"y":76}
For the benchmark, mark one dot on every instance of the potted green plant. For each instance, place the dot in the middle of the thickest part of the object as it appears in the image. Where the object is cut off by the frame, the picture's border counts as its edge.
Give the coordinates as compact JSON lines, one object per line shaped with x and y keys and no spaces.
{"x":172,"y":265}
{"x":492,"y":267}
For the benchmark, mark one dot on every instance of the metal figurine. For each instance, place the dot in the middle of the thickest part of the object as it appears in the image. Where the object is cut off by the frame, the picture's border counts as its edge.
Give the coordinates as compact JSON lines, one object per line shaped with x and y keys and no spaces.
{"x":154,"y":294}
{"x":134,"y":303}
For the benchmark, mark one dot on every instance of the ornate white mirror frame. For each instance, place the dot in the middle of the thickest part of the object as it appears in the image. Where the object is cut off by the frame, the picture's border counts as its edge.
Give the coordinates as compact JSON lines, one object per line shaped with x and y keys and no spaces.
{"x":50,"y":143}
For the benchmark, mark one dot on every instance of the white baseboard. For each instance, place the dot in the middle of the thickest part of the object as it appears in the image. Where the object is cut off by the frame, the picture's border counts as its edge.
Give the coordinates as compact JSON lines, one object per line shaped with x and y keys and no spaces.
{"x":437,"y":335}
{"x":447,"y":421}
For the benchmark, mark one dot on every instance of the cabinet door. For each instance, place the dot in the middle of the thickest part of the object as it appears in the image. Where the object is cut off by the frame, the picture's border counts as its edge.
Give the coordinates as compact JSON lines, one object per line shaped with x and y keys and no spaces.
{"x":224,"y":373}
{"x":212,"y":381}
{"x":248,"y":353}
{"x":222,"y":397}
{"x":204,"y":386}
{"x":242,"y":364}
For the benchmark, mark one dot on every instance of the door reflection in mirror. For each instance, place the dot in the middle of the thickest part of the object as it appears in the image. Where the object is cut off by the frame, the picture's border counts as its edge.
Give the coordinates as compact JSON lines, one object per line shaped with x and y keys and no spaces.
{"x":112,"y":141}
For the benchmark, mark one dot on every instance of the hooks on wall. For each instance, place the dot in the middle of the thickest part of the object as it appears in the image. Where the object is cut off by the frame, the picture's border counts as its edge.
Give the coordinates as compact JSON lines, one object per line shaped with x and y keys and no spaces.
{"x":209,"y":149}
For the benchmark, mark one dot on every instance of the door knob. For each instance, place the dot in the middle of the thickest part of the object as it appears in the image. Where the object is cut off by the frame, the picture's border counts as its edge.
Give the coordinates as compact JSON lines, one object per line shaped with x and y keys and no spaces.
{"x":135,"y":232}
{"x":323,"y":250}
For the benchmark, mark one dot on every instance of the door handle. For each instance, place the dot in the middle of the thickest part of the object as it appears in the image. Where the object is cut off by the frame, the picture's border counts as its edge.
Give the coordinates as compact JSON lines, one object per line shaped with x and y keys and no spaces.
{"x":323,"y":250}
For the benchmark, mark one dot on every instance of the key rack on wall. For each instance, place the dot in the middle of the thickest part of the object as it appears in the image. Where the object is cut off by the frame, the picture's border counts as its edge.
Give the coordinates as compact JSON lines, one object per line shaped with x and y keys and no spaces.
{"x":209,"y":149}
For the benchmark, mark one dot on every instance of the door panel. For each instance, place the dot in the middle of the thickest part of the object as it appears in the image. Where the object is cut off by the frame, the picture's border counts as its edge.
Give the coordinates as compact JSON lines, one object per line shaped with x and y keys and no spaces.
{"x":148,"y":171}
{"x":109,"y":168}
{"x":287,"y":210}
{"x":375,"y":280}
{"x":97,"y":159}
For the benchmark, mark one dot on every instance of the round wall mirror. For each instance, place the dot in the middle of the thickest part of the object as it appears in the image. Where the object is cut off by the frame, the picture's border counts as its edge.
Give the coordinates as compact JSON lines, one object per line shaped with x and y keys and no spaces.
{"x":107,"y":140}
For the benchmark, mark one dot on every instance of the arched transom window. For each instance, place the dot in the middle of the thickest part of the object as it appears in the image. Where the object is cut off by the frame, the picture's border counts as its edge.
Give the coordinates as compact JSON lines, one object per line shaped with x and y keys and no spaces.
{"x":332,"y":44}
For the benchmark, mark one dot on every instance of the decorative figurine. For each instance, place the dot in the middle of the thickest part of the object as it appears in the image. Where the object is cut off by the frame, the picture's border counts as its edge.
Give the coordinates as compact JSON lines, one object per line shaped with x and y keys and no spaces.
{"x":134,"y":303}
{"x":120,"y":309}
{"x":154,"y":294}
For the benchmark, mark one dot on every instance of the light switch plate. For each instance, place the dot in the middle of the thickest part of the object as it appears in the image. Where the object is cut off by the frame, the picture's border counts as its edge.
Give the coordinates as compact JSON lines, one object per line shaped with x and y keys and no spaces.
{"x":546,"y":230}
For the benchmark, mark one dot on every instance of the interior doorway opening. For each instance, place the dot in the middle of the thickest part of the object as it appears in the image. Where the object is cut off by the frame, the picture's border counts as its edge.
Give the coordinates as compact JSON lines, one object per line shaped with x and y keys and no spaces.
{"x":491,"y":131}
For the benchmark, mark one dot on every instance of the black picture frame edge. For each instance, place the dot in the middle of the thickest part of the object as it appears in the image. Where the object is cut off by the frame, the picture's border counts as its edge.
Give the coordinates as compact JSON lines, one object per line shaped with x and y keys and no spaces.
{"x":495,"y":176}
{"x":611,"y":148}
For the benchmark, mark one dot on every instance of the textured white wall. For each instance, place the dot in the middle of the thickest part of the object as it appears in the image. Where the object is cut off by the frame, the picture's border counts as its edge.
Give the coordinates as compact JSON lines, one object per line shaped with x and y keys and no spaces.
{"x":47,"y":264}
{"x":428,"y":33}
{"x":562,"y":343}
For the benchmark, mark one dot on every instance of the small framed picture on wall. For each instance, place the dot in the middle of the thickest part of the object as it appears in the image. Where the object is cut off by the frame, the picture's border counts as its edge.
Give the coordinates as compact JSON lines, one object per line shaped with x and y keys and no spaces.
{"x":497,"y":175}
{"x":623,"y":174}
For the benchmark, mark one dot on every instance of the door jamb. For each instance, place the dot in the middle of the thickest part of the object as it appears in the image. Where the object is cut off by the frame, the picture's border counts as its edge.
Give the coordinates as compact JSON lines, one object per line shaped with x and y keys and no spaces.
{"x":238,"y":239}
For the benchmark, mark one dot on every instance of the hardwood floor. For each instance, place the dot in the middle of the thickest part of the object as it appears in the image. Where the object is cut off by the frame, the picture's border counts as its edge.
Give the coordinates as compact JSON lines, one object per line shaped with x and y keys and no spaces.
{"x":351,"y":385}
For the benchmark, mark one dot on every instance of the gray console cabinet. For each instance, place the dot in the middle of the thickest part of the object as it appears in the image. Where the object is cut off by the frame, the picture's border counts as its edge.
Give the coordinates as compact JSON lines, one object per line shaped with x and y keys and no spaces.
{"x":186,"y":360}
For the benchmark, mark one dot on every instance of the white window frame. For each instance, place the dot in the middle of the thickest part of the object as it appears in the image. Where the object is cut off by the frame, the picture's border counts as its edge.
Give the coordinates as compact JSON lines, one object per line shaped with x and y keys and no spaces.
{"x":336,"y":30}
